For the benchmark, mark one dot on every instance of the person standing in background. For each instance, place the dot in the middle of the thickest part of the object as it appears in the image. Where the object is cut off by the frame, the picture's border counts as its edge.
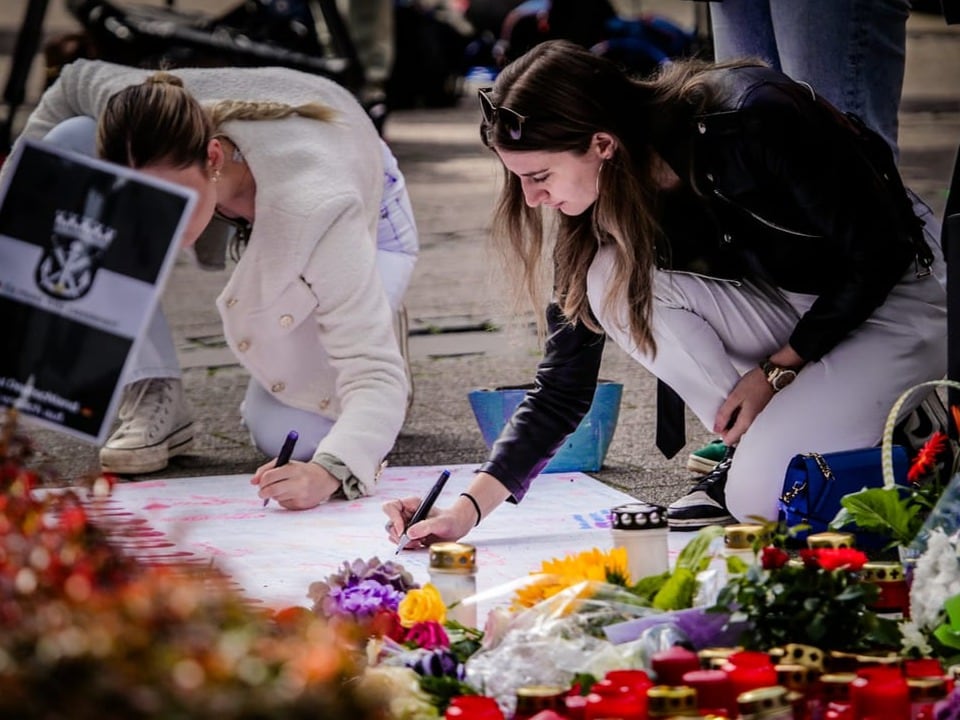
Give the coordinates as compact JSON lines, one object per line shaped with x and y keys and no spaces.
{"x":851,"y":52}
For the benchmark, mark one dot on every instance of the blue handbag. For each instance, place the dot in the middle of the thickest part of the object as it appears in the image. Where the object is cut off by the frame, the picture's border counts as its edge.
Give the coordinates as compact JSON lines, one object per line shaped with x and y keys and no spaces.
{"x":815,"y":483}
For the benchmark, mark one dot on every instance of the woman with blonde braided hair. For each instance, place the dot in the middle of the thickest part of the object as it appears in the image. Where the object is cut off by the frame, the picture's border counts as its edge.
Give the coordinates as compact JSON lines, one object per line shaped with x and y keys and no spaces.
{"x":309,"y":309}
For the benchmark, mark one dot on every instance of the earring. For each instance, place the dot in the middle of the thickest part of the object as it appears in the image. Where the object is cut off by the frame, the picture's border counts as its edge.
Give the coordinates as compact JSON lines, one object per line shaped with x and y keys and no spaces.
{"x":216,"y":175}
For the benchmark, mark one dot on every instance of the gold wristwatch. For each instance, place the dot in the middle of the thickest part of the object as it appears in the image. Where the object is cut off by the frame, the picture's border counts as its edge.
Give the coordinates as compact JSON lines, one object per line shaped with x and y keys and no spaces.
{"x":778,"y":377}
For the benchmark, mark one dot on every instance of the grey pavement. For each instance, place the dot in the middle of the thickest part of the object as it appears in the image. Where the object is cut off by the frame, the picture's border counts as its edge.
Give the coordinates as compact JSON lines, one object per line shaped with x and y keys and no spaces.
{"x":465,"y":333}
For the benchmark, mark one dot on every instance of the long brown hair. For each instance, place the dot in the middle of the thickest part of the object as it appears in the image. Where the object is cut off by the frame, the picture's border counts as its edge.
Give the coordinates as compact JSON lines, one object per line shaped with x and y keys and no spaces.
{"x":567,"y":94}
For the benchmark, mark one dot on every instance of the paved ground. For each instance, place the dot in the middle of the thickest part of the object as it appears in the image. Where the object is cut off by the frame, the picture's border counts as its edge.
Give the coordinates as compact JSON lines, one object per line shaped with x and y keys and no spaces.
{"x":465,"y":335}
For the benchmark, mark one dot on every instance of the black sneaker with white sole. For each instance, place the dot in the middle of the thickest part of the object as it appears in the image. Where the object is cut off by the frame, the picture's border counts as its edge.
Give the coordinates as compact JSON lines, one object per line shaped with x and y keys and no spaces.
{"x":704,"y":505}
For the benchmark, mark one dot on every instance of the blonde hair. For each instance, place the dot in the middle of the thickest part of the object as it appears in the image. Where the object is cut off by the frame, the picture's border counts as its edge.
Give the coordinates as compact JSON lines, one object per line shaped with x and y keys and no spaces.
{"x":159,"y":122}
{"x":568,"y":95}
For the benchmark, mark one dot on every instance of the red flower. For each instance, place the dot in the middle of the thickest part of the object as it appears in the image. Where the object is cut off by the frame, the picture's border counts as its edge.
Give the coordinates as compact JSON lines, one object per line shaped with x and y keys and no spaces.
{"x":428,"y":635}
{"x":292,"y":617}
{"x":773,"y":558}
{"x":386,"y":623}
{"x":926,"y":459}
{"x":834,"y":558}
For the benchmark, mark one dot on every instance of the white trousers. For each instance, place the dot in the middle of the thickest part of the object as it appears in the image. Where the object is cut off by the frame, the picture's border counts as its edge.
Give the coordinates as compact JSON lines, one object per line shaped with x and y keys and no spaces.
{"x":266,"y":418}
{"x":710,"y":332}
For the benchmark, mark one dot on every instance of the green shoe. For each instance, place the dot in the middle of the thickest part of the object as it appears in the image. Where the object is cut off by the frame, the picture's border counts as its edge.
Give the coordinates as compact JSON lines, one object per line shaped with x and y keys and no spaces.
{"x":706,"y":458}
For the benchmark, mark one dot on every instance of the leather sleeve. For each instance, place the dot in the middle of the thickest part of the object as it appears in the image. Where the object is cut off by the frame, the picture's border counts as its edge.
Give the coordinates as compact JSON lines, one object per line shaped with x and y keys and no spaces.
{"x":817,"y":166}
{"x":562,"y":394}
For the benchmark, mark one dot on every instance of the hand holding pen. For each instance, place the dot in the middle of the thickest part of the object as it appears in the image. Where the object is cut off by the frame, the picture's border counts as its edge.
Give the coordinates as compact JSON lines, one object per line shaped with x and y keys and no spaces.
{"x":426,"y":505}
{"x":417,"y":522}
{"x":294,"y":485}
{"x":283,"y":457}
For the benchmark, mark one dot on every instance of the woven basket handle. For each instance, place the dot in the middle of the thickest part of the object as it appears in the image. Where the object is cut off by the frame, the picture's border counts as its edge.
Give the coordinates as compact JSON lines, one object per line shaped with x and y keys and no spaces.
{"x":893,"y":417}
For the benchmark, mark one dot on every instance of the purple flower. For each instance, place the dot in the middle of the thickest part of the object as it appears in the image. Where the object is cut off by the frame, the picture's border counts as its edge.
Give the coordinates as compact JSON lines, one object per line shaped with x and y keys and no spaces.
{"x":948,"y":708}
{"x":354,"y":574}
{"x":364,"y":599}
{"x":439,"y":663}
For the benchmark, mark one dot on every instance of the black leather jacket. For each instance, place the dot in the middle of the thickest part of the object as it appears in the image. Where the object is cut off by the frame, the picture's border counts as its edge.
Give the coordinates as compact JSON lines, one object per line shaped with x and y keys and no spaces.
{"x":788,"y":190}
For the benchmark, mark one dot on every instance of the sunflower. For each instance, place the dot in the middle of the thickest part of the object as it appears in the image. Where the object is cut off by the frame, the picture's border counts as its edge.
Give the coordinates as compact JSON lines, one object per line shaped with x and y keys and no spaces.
{"x":557,"y":575}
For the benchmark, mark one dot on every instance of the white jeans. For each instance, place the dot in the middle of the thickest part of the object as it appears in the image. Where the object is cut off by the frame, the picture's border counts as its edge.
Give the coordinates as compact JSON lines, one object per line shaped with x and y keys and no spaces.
{"x":710,"y":332}
{"x":266,"y":418}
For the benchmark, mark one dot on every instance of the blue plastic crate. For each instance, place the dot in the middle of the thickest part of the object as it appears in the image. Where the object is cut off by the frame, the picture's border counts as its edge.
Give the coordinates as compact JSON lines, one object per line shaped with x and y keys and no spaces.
{"x":584,"y":449}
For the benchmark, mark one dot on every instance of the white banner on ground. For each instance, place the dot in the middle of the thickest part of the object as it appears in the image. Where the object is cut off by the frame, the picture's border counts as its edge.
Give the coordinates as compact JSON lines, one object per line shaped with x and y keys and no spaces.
{"x":274,"y":554}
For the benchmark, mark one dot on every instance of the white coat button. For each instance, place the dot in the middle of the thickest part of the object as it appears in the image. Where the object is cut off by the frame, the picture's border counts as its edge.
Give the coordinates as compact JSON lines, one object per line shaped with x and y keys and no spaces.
{"x":278,"y":387}
{"x":325,"y":403}
{"x":701,"y":128}
{"x":243,"y":345}
{"x":286,"y":321}
{"x":231,"y":302}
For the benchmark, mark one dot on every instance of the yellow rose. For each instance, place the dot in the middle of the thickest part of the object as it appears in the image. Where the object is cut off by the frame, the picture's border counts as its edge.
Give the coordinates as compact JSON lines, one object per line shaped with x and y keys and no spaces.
{"x":421,"y":605}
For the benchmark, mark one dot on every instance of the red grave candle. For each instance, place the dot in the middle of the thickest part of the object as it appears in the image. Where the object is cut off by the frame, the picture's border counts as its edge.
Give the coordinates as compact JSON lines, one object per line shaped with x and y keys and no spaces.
{"x":714,"y":691}
{"x":880,"y":692}
{"x":576,"y":706}
{"x":749,"y":670}
{"x":473,"y":707}
{"x":608,"y":699}
{"x":637,"y":680}
{"x":671,"y":664}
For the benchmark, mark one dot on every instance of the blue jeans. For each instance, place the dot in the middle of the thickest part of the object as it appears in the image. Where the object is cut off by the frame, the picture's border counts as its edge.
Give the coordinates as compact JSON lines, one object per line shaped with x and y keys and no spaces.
{"x":852,"y":52}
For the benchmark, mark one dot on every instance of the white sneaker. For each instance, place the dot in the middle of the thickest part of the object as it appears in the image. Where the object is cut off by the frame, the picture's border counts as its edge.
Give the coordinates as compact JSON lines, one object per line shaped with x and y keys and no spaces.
{"x":155,"y":425}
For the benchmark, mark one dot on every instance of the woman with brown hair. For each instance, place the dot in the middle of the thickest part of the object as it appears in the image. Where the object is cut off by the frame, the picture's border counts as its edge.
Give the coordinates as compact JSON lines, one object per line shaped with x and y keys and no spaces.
{"x":742,"y":240}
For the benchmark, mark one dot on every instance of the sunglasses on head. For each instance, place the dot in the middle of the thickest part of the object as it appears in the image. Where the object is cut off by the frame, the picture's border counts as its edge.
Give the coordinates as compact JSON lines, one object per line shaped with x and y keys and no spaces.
{"x":512,"y":120}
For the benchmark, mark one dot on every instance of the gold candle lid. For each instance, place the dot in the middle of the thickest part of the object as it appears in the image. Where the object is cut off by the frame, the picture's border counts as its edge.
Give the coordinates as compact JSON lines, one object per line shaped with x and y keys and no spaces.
{"x":926,"y":688}
{"x":763,"y":700}
{"x":800,"y":654}
{"x":830,"y":540}
{"x":882,"y":572}
{"x":795,"y":677}
{"x":531,"y":699}
{"x":888,"y":659}
{"x":839,"y":661}
{"x":667,"y":700}
{"x":836,"y":686}
{"x":743,"y":536}
{"x":452,"y":557}
{"x":713,"y":657}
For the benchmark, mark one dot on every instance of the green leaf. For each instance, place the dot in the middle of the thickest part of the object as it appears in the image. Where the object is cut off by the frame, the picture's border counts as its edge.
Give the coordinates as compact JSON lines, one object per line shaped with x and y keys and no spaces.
{"x":677,"y":592}
{"x":881,"y":510}
{"x":649,"y":586}
{"x":851,"y":592}
{"x":948,"y":636}
{"x":696,"y":555}
{"x":949,"y":632}
{"x":585,"y":681}
{"x":443,"y":689}
{"x":736,"y":565}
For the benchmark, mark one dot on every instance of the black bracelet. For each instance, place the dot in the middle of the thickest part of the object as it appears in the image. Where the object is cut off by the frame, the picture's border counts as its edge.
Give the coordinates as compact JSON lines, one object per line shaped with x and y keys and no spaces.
{"x":476,"y":506}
